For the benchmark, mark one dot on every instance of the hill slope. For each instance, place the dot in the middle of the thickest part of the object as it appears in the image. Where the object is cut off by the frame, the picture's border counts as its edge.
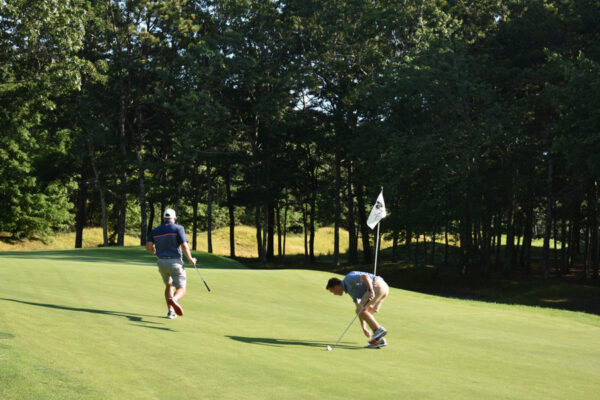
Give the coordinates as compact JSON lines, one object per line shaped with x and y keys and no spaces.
{"x":88,"y":324}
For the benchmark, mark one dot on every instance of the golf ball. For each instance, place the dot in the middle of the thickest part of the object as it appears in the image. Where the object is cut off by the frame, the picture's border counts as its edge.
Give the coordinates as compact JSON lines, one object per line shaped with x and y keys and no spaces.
{"x":329,"y":348}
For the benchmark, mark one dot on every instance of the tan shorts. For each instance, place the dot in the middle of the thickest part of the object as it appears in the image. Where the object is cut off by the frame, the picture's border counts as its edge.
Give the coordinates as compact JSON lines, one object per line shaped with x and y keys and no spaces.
{"x":381,"y":290}
{"x":172,"y":271}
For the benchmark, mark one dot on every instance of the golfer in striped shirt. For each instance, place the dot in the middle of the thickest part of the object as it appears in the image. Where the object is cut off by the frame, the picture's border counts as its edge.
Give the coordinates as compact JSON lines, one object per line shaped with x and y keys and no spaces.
{"x":167,"y":241}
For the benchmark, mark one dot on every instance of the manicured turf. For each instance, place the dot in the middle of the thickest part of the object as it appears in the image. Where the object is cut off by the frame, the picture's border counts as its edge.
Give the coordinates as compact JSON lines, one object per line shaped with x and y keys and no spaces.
{"x":88,"y":324}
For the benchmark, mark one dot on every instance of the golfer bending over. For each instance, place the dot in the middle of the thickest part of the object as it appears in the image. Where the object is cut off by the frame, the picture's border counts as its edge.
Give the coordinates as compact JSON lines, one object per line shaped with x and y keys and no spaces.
{"x":363,"y":287}
{"x":166,"y":241}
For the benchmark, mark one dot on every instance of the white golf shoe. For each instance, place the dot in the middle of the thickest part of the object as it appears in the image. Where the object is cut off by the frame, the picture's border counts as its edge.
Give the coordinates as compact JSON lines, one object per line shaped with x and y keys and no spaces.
{"x":379,"y":333}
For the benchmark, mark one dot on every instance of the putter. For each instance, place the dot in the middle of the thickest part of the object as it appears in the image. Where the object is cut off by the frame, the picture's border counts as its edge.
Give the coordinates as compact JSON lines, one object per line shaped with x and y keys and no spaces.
{"x":329,"y":348}
{"x":207,"y":288}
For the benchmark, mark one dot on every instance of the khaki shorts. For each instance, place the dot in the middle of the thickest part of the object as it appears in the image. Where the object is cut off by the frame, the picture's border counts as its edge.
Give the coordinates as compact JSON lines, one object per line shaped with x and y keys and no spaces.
{"x":381,"y":290}
{"x":172,"y":271}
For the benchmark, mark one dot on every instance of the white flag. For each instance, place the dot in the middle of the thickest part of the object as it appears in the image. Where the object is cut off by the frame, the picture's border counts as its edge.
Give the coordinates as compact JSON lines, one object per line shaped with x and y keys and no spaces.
{"x":377,"y":213}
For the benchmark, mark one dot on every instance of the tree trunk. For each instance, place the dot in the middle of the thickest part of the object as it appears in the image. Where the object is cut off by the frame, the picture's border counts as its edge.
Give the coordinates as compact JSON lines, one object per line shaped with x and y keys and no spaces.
{"x":141,"y":173}
{"x":100,"y":188}
{"x":466,"y":240}
{"x":259,"y":247}
{"x":476,"y":237}
{"x":486,"y":244}
{"x":417,"y":248}
{"x":594,"y":230}
{"x":337,"y":210}
{"x":285,"y":212}
{"x":270,"y":230}
{"x":527,"y":236}
{"x":395,"y":246}
{"x":231,"y":210}
{"x":517,"y":249}
{"x":313,"y":201}
{"x":510,"y":241}
{"x":305,"y":230}
{"x":142,"y":182}
{"x":498,"y":250}
{"x":179,"y":189}
{"x":555,"y":255}
{"x":548,"y":219}
{"x":279,"y":238}
{"x":446,"y":245}
{"x":209,"y":202}
{"x":81,"y":206}
{"x":408,"y":244}
{"x":574,"y":243}
{"x":195,"y":200}
{"x":352,"y":237}
{"x":150,"y":218}
{"x":195,"y":223}
{"x":433,"y":235}
{"x":265,"y":234}
{"x":362,"y":221}
{"x":586,"y":249}
{"x":563,"y":247}
{"x":122,"y":196}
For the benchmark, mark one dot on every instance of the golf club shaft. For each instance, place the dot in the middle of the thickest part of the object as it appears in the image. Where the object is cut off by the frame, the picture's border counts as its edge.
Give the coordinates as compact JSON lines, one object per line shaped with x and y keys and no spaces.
{"x":350,"y":324}
{"x":207,"y":288}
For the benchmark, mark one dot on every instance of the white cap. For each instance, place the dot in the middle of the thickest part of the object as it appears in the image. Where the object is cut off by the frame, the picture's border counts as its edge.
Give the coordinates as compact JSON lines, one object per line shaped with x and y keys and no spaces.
{"x":169,"y":214}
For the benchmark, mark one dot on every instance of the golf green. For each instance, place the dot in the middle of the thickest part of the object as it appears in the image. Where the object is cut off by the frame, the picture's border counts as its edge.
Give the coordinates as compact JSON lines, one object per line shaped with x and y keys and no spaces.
{"x":89,"y":324}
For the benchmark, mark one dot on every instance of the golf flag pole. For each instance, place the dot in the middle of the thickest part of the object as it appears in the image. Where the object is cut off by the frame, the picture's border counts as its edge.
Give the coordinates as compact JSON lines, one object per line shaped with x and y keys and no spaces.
{"x":377,"y":214}
{"x":376,"y":249}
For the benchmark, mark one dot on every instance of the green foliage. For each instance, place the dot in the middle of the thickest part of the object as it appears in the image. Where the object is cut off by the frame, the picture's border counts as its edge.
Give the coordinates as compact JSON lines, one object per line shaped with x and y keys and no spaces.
{"x":40,"y":212}
{"x":40,"y":41}
{"x":478,"y":118}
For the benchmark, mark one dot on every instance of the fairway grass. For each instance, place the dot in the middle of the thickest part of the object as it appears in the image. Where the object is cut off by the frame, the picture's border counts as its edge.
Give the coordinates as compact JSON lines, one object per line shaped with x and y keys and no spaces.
{"x":89,"y":324}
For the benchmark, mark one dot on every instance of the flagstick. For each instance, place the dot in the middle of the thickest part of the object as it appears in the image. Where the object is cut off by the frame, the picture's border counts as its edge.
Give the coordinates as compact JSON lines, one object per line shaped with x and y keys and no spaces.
{"x":376,"y":249}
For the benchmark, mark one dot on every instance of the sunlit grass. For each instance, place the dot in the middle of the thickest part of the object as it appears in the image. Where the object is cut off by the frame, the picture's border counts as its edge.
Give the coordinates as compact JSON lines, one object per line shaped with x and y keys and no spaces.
{"x":246,"y":246}
{"x":89,"y":325}
{"x":245,"y":241}
{"x":92,"y":237}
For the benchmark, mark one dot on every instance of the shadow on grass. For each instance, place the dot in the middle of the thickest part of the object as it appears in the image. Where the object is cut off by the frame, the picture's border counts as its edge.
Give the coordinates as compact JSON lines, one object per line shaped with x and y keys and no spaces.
{"x":138,"y":319}
{"x":519,"y":288}
{"x":286,"y":342}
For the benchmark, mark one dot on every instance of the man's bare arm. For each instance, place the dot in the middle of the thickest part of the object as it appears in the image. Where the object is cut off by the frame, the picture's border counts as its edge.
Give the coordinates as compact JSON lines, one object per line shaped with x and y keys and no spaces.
{"x":188,"y":253}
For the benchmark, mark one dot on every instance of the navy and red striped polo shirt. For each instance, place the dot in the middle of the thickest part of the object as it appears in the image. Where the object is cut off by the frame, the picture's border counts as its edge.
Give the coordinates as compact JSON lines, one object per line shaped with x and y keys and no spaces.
{"x":167,"y":239}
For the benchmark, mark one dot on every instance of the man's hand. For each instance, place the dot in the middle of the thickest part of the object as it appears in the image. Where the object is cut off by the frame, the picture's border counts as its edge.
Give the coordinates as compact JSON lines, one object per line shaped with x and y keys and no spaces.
{"x":186,"y":250}
{"x":367,"y":279}
{"x":367,"y":332}
{"x":150,"y":248}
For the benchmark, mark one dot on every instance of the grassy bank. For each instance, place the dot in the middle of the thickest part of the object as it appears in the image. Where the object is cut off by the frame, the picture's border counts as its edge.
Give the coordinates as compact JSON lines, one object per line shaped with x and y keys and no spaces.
{"x":92,"y":237}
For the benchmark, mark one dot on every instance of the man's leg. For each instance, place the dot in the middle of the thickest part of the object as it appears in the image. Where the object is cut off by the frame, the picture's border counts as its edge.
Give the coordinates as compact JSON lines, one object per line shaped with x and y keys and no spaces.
{"x":168,"y":294}
{"x":381,"y":292}
{"x":367,"y":316}
{"x":174,"y":300}
{"x":179,"y":293}
{"x":175,"y":282}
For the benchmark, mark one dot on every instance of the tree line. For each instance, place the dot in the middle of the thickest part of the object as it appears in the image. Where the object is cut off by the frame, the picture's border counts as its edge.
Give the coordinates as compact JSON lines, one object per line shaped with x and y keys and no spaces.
{"x":480,"y":118}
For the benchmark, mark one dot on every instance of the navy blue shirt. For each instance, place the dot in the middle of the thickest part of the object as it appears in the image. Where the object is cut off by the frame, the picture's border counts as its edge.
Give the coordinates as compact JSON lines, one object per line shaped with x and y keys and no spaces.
{"x":167,"y":239}
{"x":353,"y":285}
